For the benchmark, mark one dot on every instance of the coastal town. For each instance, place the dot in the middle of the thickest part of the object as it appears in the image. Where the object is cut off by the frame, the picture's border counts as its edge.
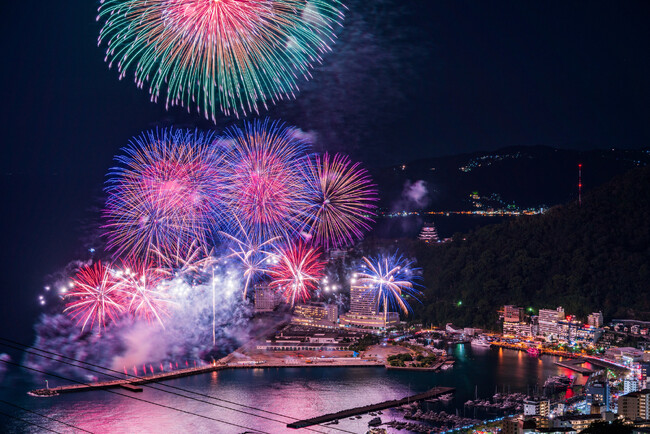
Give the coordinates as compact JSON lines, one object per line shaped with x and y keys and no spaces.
{"x":606,"y":365}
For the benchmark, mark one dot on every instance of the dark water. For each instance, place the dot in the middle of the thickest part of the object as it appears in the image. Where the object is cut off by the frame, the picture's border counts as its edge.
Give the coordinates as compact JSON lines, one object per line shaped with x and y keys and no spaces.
{"x":293,"y":392}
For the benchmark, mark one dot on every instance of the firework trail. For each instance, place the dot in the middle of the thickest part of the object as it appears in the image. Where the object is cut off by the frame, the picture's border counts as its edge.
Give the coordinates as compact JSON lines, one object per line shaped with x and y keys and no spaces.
{"x":388,"y":280}
{"x":232,"y":53}
{"x":145,"y":293}
{"x":341,"y":200}
{"x":297,"y":272}
{"x":166,"y":195}
{"x":266,"y":190}
{"x":95,"y":296}
{"x":193,"y":263}
{"x":253,"y":256}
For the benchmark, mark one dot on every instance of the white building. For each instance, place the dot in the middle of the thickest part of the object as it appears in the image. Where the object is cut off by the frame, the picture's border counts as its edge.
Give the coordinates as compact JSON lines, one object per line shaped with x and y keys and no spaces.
{"x":537,"y":407}
{"x":548,"y":321}
{"x":363,"y":311}
{"x":316,"y":314}
{"x":630,"y":385}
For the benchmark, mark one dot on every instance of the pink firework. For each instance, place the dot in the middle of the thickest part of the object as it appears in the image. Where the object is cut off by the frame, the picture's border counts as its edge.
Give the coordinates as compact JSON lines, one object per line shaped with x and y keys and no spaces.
{"x":297,"y":272}
{"x":145,"y":295}
{"x":166,"y":196}
{"x":341,"y":200}
{"x":266,"y":189}
{"x":95,"y":296}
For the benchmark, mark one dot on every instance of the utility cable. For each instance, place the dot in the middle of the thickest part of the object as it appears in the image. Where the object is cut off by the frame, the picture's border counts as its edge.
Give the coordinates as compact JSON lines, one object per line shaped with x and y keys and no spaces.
{"x":137,"y":378}
{"x":28,"y":422}
{"x":134,"y":398}
{"x":45,"y":416}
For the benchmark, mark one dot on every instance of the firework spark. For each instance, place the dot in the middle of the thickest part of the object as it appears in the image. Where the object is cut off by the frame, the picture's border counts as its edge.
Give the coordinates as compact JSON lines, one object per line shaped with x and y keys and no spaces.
{"x":266,"y":189}
{"x":297,"y":272}
{"x":147,"y":298}
{"x":235,"y":54}
{"x":166,"y":196}
{"x":194,"y":262}
{"x":95,"y":296}
{"x":341,"y":200}
{"x":254,"y":257}
{"x":388,"y":280}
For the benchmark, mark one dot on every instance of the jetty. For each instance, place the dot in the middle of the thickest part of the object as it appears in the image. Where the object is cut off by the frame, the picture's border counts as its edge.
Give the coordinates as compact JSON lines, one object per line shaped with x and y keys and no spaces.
{"x":132,"y":383}
{"x":432,"y":393}
{"x":576,"y":365}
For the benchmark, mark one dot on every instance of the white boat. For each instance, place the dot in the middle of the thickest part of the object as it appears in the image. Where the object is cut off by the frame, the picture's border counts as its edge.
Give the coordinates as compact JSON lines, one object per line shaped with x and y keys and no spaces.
{"x":480,"y":343}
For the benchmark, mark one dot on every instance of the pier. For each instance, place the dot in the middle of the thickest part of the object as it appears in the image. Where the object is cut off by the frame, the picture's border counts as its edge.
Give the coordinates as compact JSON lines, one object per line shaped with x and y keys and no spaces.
{"x":132,"y":383}
{"x":433,"y":393}
{"x":576,"y":365}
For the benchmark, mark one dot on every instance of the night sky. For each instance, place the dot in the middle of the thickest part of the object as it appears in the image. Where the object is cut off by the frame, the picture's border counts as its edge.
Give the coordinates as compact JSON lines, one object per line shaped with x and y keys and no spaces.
{"x":407,"y":79}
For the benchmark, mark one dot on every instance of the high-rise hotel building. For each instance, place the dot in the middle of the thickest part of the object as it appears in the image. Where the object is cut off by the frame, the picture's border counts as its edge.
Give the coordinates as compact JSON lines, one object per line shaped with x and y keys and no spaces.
{"x":364,"y":311}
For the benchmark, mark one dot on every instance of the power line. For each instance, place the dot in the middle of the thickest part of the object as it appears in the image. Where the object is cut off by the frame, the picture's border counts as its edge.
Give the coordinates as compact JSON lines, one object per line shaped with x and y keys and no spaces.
{"x":28,"y":422}
{"x":152,"y":387}
{"x":45,"y":416}
{"x":164,"y":385}
{"x":135,"y":398}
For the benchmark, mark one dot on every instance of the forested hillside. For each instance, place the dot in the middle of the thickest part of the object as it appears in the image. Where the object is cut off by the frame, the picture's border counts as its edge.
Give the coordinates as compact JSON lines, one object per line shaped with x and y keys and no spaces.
{"x":584,"y":258}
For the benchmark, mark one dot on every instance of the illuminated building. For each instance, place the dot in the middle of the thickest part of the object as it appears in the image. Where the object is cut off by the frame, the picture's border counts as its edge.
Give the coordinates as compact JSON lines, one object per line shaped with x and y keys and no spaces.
{"x":630,"y":385}
{"x":316,"y":314}
{"x":428,"y":234}
{"x":548,"y":321}
{"x":595,"y":319}
{"x":266,"y":300}
{"x":598,"y":392}
{"x":635,"y":405}
{"x":363,"y":312}
{"x":361,"y":302}
{"x":537,"y":407}
{"x":644,"y":368}
{"x":578,"y":422}
{"x":513,"y":313}
{"x":517,"y":329}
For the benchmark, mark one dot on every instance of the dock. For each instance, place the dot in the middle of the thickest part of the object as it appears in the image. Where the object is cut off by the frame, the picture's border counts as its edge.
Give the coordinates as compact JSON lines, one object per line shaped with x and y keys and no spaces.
{"x":133,"y":383}
{"x":576,"y":365}
{"x":432,"y":393}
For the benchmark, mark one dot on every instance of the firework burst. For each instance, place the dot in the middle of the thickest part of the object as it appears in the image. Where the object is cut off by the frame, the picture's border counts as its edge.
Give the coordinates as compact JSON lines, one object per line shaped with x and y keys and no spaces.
{"x":235,"y":54}
{"x":341,"y":200}
{"x":253,"y":256}
{"x":297,"y":272}
{"x":192,"y":264}
{"x":95,"y":296}
{"x":388,"y":280}
{"x":145,"y":293}
{"x":266,"y":190}
{"x":166,"y":196}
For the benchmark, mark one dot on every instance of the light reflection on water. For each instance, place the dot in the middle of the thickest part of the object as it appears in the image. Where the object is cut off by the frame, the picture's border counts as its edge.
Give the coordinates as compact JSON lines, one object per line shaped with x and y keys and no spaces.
{"x":296,"y":392}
